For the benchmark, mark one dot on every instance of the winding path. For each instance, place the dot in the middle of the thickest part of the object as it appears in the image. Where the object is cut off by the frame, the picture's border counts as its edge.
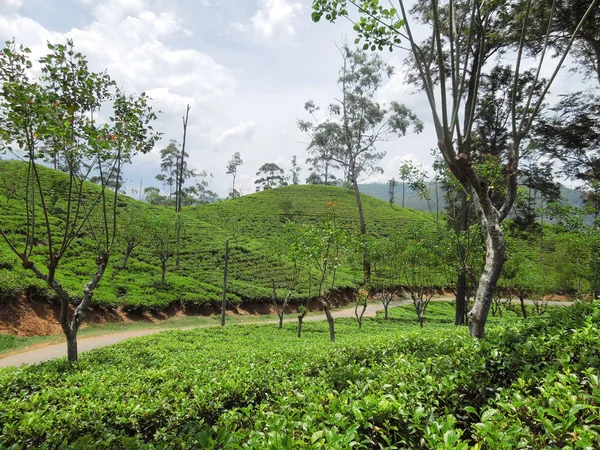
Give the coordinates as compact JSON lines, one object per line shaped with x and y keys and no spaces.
{"x":48,"y":352}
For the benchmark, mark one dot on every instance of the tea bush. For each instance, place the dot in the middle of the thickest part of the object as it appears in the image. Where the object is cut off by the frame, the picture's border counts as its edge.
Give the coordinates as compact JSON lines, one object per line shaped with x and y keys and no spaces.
{"x":255,"y":221}
{"x":530,"y":384}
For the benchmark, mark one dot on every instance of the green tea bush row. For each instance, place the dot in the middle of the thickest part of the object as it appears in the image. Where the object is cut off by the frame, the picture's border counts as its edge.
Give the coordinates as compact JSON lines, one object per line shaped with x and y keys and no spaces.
{"x":530,"y":384}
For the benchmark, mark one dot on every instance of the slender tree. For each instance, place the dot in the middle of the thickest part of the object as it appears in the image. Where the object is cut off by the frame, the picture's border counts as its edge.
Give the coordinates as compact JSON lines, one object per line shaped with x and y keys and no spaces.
{"x":163,"y":240}
{"x":391,"y":191}
{"x":325,"y":247}
{"x":169,"y":167}
{"x":232,"y":168}
{"x":179,"y":181}
{"x":132,"y":230}
{"x":57,"y":114}
{"x":181,"y":166}
{"x":358,"y":122}
{"x":420,"y":265}
{"x":295,"y":171}
{"x":290,"y":258}
{"x":450,"y":65}
{"x":271,"y":175}
{"x":414,"y":177}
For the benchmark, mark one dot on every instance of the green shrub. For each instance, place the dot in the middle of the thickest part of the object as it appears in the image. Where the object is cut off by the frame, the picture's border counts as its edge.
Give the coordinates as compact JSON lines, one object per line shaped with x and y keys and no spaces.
{"x":530,"y":384}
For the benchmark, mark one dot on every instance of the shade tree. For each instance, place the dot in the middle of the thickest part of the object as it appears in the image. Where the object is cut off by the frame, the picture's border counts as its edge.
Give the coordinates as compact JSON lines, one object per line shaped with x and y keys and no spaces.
{"x":326,"y":245}
{"x":133,"y":230}
{"x":570,"y":133}
{"x":163,"y":239}
{"x":57,"y":113}
{"x":391,"y":190}
{"x":420,"y":266}
{"x":291,"y":261}
{"x":295,"y":171}
{"x":271,"y":176}
{"x":386,"y":258}
{"x":358,"y":122}
{"x":450,"y":66}
{"x":414,"y":176}
{"x":232,"y":169}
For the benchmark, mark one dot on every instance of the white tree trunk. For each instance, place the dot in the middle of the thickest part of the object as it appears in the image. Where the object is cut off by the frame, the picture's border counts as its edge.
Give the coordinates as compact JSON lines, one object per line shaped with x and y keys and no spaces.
{"x":494,"y":260}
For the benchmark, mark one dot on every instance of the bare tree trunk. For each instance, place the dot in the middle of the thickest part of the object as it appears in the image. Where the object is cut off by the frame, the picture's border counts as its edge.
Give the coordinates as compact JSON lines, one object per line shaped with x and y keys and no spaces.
{"x":363,"y":228}
{"x":494,"y":260}
{"x":225,"y":274}
{"x":179,"y":183}
{"x":72,"y":354}
{"x":128,"y":252}
{"x":523,"y":308}
{"x":359,"y":317}
{"x":164,"y":271}
{"x":178,"y":240}
{"x":461,"y":283}
{"x":300,"y":317}
{"x":329,"y":320}
{"x":285,"y":302}
{"x":461,"y":298}
{"x":70,"y":328}
{"x":278,"y":311}
{"x":403,"y":187}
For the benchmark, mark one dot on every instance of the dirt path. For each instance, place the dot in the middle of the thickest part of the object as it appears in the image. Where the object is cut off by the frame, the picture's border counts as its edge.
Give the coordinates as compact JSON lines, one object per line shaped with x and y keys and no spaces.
{"x":48,"y":352}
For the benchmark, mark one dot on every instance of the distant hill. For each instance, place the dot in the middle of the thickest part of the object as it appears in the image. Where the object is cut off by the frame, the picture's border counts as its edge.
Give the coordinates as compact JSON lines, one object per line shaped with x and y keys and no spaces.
{"x":413,"y":201}
{"x":251,"y":222}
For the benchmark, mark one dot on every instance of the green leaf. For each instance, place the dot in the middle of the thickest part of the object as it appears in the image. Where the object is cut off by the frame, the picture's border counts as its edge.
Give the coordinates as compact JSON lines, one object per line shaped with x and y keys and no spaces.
{"x":488,"y":414}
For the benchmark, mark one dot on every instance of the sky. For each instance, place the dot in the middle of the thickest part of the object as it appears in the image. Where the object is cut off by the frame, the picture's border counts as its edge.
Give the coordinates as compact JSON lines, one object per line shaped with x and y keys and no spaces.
{"x":246,"y":67}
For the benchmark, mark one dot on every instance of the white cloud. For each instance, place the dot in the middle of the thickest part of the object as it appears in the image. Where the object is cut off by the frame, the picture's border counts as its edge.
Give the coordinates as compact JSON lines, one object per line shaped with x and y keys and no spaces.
{"x":26,"y":31}
{"x":134,"y":52}
{"x":10,"y":6}
{"x":113,"y":11}
{"x":275,"y":18}
{"x":132,"y":41}
{"x":245,"y":130}
{"x":238,"y":26}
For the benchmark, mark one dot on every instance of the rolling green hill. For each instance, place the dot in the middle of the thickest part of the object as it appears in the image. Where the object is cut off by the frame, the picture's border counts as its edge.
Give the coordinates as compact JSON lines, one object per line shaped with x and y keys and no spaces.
{"x":251,"y":222}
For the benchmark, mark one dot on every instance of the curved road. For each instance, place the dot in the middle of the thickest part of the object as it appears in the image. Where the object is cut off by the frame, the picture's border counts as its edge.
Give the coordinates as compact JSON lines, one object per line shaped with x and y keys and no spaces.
{"x":45,"y":353}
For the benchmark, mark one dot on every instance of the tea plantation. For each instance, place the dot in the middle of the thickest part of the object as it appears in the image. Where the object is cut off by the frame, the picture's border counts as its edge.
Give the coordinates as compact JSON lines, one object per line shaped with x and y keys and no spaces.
{"x":530,"y":384}
{"x":252,"y":223}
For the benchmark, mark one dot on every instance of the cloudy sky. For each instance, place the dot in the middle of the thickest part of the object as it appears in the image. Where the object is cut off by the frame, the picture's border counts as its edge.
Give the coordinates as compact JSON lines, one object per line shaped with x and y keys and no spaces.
{"x":246,"y":67}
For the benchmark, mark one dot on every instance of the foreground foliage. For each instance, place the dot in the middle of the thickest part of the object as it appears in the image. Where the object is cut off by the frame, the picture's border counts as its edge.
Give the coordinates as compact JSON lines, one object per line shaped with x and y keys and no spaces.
{"x":531,"y":384}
